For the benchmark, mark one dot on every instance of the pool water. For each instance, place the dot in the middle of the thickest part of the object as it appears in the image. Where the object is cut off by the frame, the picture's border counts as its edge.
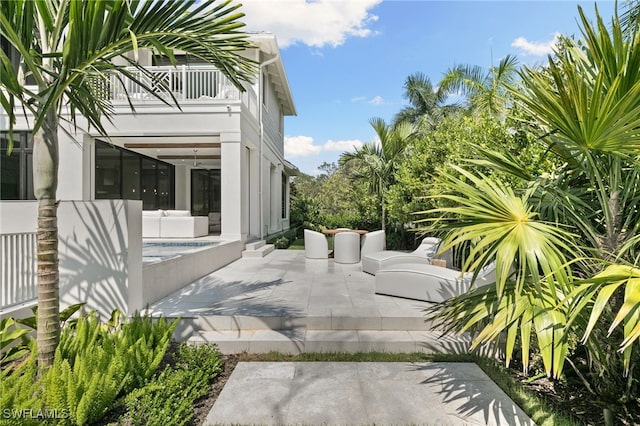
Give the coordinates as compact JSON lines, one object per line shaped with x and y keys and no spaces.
{"x":158,"y":251}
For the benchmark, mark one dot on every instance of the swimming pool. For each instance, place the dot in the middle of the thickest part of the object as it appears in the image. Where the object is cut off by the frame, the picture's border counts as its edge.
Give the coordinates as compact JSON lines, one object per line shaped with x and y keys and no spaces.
{"x":163,"y":250}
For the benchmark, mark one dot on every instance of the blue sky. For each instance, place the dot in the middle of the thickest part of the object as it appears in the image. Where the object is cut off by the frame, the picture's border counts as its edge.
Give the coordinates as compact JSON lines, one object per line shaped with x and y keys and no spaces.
{"x":347,"y":60}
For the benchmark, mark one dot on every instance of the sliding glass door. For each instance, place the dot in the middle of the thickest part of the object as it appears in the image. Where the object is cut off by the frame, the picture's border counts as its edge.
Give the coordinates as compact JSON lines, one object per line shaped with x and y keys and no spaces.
{"x":205,"y":192}
{"x":122,"y":174}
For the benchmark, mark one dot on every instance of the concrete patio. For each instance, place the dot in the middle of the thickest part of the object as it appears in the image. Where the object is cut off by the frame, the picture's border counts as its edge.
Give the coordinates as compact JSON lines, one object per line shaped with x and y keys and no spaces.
{"x":284,"y":302}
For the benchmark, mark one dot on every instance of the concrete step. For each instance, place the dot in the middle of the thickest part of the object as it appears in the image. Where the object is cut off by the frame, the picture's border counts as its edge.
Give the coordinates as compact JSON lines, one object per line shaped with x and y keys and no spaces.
{"x":301,"y":340}
{"x":237,"y":323}
{"x":261,"y":251}
{"x":254,"y":245}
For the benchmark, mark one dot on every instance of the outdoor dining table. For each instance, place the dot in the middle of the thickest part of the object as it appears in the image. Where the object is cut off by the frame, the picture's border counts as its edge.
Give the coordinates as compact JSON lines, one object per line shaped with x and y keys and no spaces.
{"x":336,"y":231}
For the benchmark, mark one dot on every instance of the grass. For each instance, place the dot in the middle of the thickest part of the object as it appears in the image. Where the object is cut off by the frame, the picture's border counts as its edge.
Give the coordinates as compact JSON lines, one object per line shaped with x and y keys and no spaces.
{"x":299,"y":244}
{"x":539,"y":410}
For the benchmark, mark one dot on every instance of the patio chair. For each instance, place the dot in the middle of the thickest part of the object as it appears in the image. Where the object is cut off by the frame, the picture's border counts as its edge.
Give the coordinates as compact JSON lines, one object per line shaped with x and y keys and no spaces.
{"x":372,"y":262}
{"x":315,"y":245}
{"x":346,"y":247}
{"x":429,"y":283}
{"x":373,"y":242}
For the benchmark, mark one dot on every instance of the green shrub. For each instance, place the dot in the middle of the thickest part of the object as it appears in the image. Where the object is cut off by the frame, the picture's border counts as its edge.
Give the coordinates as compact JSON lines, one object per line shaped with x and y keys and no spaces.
{"x":95,"y":363}
{"x":13,"y":341}
{"x":169,"y":398}
{"x":281,"y":243}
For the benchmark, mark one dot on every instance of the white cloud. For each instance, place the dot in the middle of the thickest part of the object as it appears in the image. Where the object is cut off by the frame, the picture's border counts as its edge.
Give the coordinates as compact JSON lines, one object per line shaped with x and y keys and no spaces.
{"x":313,"y":23}
{"x":341,"y":146}
{"x":535,"y":48}
{"x":377,"y":100}
{"x":302,"y":146}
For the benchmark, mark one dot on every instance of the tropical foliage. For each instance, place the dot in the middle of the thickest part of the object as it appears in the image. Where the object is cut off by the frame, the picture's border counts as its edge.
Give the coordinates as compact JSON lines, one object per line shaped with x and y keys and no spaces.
{"x":566,"y":247}
{"x":427,"y":105}
{"x":376,"y":162}
{"x":67,"y":50}
{"x":486,"y":91}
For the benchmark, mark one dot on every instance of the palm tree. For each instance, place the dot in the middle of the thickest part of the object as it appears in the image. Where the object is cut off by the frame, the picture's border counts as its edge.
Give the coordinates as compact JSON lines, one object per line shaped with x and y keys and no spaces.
{"x":68,"y":48}
{"x":376,"y":163}
{"x":567,"y":248}
{"x":427,"y":104}
{"x":486,"y":91}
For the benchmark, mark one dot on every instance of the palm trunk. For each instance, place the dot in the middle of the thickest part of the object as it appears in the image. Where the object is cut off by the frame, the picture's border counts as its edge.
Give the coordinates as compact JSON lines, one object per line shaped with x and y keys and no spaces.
{"x":384,"y":216}
{"x":45,"y":183}
{"x":48,"y":327}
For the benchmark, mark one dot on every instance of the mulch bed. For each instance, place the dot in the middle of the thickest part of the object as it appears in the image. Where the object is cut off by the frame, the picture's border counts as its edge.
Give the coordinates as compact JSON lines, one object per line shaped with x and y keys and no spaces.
{"x":204,"y":405}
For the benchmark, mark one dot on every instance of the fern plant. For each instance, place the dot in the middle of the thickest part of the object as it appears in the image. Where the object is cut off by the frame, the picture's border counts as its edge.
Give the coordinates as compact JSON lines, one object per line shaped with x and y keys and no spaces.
{"x":96,"y":363}
{"x":169,"y":398}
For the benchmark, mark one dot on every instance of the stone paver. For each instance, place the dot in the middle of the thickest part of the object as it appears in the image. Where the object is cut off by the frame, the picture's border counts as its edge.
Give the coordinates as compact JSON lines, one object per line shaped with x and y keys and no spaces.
{"x":363,"y":393}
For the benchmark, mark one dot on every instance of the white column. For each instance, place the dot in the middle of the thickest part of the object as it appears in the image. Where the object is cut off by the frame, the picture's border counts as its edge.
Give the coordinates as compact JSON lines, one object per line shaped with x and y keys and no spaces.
{"x":233,"y":176}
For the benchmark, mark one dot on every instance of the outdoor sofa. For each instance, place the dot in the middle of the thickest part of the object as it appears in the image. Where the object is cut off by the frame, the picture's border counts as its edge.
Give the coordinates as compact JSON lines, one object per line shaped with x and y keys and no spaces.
{"x":430,"y":283}
{"x":173,"y":224}
{"x":372,"y":262}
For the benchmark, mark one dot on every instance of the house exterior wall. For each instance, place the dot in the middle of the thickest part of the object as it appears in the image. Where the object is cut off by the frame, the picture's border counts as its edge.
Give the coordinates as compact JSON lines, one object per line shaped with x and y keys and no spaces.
{"x":252,"y":151}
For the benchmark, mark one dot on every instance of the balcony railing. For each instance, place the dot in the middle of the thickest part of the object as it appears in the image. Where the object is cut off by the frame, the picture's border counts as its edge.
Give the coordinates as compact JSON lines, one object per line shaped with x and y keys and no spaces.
{"x":185,"y":83}
{"x":18,"y":269}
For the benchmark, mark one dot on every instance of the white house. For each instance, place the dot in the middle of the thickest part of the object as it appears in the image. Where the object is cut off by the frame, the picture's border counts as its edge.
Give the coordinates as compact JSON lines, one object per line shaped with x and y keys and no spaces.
{"x":220,"y":155}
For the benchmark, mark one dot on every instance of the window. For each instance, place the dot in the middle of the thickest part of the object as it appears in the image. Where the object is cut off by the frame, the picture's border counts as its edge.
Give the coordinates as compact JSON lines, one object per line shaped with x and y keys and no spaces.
{"x":16,"y":170}
{"x":205,"y":192}
{"x":126,"y":175}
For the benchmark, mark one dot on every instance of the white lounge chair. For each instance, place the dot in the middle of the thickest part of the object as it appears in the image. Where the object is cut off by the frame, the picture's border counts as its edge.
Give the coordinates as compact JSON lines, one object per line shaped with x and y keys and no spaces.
{"x":346,"y":247}
{"x":315,"y":245}
{"x":372,"y":262}
{"x":373,"y":242}
{"x":429,"y":283}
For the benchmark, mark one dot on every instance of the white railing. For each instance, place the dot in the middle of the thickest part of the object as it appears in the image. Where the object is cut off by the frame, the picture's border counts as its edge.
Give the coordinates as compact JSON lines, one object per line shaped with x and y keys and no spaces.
{"x":18,"y":269}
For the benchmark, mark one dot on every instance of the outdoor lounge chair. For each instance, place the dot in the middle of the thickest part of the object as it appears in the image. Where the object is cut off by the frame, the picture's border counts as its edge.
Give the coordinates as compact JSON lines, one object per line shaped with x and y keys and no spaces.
{"x":373,"y":242}
{"x":372,"y":262}
{"x":429,"y":283}
{"x":315,"y":245}
{"x":346,"y":247}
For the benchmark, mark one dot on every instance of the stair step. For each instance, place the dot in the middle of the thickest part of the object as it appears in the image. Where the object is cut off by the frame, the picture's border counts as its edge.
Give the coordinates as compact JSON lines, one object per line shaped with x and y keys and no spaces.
{"x":255,"y":245}
{"x":261,"y":251}
{"x":301,"y":340}
{"x":237,"y":323}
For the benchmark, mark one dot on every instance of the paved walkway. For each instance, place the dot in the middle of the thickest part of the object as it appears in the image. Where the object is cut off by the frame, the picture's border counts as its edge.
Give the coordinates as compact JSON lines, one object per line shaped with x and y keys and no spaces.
{"x":363,"y":393}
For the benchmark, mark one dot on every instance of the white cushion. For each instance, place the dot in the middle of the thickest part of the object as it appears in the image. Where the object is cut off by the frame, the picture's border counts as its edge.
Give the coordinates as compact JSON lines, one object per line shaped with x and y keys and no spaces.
{"x":178,"y":213}
{"x":153,"y":213}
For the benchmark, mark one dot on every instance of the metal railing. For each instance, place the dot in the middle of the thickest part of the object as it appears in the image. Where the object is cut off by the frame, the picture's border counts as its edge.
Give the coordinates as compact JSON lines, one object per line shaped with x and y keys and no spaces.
{"x":18,"y":269}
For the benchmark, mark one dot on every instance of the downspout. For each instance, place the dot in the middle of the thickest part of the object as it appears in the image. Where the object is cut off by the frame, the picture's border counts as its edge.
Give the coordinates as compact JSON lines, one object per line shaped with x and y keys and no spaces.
{"x":260,"y":108}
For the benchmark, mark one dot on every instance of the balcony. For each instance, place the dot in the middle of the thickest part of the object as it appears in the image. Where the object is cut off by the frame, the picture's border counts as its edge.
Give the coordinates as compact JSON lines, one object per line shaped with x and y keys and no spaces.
{"x":187,"y":84}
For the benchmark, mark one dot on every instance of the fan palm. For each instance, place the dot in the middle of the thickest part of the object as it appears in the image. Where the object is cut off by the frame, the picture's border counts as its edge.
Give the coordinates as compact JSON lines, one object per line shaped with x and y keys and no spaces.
{"x":68,"y":47}
{"x":376,"y":162}
{"x":587,"y":105}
